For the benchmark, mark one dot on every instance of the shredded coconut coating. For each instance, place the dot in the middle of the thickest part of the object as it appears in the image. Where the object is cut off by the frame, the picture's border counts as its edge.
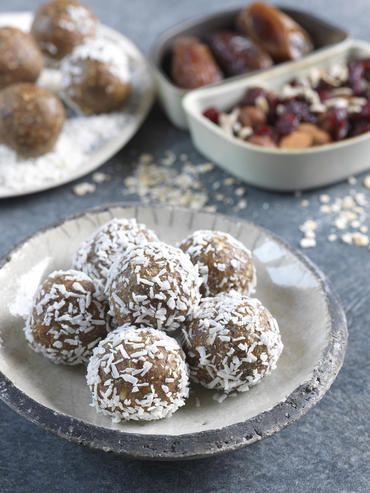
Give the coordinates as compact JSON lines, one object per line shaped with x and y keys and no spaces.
{"x":138,"y":374}
{"x":224,"y":263}
{"x":68,"y":318}
{"x":153,"y":284}
{"x":96,"y":255}
{"x":231,"y":343}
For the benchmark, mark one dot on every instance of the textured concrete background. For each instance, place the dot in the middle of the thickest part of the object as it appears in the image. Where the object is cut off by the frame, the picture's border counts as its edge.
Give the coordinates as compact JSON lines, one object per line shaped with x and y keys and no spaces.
{"x":326,"y":451}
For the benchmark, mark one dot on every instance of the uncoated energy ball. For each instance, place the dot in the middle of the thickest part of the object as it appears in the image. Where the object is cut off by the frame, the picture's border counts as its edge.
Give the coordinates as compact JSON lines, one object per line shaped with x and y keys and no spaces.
{"x":96,"y":77}
{"x":224,"y":263}
{"x":97,"y":254}
{"x":138,"y":374}
{"x":61,"y":25}
{"x":68,"y":319}
{"x":231,"y":343}
{"x":153,"y":284}
{"x":31,"y":119}
{"x":20,"y":58}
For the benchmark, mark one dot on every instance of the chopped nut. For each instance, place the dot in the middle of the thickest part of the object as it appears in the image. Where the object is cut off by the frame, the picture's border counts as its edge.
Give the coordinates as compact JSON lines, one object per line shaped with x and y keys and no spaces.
{"x":262,"y":140}
{"x":296,"y":140}
{"x":251,"y":116}
{"x":319,"y":137}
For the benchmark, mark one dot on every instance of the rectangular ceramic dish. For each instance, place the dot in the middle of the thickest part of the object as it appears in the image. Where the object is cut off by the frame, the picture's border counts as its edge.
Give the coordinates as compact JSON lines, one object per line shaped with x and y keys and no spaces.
{"x":322,"y":33}
{"x":277,"y":169}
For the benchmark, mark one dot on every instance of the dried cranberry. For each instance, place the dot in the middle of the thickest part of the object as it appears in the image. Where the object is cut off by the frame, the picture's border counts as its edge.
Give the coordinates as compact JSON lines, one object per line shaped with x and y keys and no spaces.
{"x":324,"y":94}
{"x":324,"y":84}
{"x":335,"y":121}
{"x":360,"y":127}
{"x":301,"y":109}
{"x":252,"y":94}
{"x":266,"y":131}
{"x":365,"y":111}
{"x":286,"y":123}
{"x":212,"y":114}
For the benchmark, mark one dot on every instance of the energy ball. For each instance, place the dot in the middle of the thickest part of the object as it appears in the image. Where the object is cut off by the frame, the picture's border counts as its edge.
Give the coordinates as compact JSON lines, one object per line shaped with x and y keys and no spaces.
{"x":224,"y":263}
{"x":138,"y":374}
{"x":31,"y":119}
{"x":20,"y":57}
{"x":96,"y":77}
{"x":97,"y":254}
{"x":153,"y":284}
{"x":68,"y":318}
{"x":61,"y":25}
{"x":231,"y":343}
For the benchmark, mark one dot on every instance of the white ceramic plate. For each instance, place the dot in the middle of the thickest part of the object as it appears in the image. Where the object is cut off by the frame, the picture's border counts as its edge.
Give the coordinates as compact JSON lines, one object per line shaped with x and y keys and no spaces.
{"x":74,"y":160}
{"x":312,"y":324}
{"x":278,"y":169}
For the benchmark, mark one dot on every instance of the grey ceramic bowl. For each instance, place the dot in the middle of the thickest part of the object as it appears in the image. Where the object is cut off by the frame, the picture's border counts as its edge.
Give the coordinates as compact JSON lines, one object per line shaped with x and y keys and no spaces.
{"x":55,"y":397}
{"x":323,"y":34}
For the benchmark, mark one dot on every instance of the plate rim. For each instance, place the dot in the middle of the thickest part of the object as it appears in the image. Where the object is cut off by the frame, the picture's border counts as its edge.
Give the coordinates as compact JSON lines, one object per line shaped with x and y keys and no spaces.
{"x":106,"y":152}
{"x":203,"y":443}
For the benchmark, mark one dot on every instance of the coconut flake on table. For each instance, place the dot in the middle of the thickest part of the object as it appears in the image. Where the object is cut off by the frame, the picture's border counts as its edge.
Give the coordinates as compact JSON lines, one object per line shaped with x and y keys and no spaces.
{"x":79,"y":138}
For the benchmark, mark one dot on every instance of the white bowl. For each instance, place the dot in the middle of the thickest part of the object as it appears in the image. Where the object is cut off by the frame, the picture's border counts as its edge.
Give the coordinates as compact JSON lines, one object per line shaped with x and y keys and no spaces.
{"x":170,"y":95}
{"x":311,"y":320}
{"x":277,"y":169}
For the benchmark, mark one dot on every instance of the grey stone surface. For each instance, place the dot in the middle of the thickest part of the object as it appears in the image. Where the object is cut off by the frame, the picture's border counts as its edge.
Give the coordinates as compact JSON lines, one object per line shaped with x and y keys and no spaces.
{"x":326,"y":451}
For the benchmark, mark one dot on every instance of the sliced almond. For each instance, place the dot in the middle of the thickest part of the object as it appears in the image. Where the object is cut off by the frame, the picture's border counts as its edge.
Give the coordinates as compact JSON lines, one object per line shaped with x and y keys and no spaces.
{"x":320,"y":137}
{"x":297,"y":140}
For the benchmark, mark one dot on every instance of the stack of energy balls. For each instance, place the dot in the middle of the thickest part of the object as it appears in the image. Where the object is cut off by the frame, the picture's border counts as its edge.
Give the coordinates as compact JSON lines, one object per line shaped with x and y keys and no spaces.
{"x":148,"y":317}
{"x":94,"y":72}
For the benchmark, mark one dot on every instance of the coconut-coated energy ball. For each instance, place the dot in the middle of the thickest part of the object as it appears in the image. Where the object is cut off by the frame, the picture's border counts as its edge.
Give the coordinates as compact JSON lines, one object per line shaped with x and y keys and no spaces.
{"x":61,"y":25}
{"x":20,"y":57}
{"x":153,"y":284}
{"x":138,"y":374}
{"x":231,"y":343}
{"x":224,"y":263}
{"x":68,"y":318}
{"x":31,"y":119}
{"x":96,"y":77}
{"x":97,"y":254}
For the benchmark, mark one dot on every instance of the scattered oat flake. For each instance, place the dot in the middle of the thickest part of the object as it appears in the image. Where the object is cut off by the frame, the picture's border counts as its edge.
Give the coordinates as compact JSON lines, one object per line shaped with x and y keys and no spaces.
{"x":324,"y":198}
{"x":307,"y":242}
{"x":309,"y":225}
{"x":305,"y":203}
{"x":84,"y":188}
{"x":366,"y":181}
{"x":99,"y":177}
